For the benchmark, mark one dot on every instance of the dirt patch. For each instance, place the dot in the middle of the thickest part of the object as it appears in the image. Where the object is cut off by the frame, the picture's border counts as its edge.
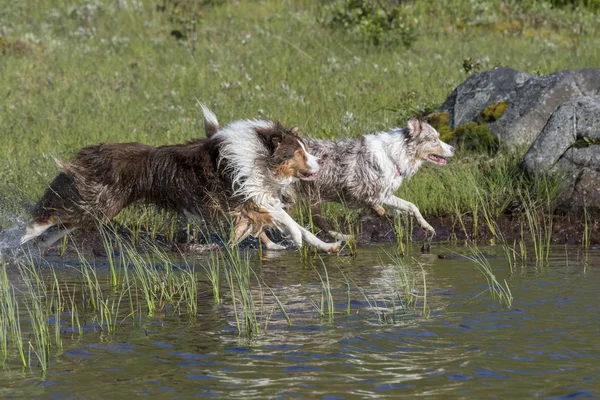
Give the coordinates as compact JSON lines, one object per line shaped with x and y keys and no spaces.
{"x":565,"y":230}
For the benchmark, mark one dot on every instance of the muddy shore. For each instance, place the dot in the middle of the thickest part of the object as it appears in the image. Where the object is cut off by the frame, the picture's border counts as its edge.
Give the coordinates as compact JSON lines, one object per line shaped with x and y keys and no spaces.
{"x":373,"y":230}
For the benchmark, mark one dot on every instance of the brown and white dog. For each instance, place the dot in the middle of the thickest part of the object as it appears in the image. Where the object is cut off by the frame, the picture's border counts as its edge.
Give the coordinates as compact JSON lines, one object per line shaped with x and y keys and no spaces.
{"x":365,"y":172}
{"x":243,"y":171}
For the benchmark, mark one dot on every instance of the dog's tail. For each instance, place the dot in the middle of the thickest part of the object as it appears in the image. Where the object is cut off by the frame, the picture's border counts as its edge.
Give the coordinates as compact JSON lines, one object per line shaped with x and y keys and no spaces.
{"x":61,"y":164}
{"x":66,"y":167}
{"x":211,"y":124}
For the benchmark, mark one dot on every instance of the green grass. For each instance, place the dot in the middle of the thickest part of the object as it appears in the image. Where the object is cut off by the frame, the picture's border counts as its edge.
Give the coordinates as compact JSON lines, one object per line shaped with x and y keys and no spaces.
{"x":498,"y":292}
{"x":402,"y":296}
{"x":80,"y":73}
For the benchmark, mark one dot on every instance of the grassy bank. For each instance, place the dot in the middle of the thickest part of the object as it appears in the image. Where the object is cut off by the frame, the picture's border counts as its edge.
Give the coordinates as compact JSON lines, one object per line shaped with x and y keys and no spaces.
{"x":79,"y":73}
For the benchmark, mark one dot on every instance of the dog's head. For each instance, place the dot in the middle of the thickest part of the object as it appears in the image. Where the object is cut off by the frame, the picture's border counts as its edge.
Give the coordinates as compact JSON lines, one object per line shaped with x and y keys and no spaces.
{"x":289,"y":155}
{"x":427,"y":143}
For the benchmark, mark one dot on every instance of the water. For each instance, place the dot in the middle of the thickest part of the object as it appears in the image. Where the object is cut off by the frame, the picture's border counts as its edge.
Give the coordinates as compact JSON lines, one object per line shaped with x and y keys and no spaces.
{"x":10,"y":237}
{"x":547,"y":345}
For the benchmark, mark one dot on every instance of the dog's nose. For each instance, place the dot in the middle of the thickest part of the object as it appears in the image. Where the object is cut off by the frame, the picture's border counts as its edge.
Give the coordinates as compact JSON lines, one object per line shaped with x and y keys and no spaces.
{"x":451,"y":149}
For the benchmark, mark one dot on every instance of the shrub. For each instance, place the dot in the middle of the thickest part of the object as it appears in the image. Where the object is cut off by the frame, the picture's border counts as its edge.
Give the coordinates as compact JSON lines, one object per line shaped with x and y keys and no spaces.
{"x":370,"y":20}
{"x":185,"y":16}
{"x":591,"y":4}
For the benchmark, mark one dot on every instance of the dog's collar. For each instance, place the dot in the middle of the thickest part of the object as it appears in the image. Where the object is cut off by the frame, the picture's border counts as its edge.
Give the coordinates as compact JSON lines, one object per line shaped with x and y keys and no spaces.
{"x":398,"y":173}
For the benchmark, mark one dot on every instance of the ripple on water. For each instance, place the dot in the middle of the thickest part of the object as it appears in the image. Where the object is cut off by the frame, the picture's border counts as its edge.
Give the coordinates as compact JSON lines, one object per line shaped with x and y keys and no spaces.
{"x":469,"y":347}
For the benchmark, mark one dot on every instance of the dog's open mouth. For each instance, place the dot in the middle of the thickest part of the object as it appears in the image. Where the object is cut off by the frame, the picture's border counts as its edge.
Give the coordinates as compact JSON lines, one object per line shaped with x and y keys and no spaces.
{"x":307,"y":175}
{"x":436,"y":159}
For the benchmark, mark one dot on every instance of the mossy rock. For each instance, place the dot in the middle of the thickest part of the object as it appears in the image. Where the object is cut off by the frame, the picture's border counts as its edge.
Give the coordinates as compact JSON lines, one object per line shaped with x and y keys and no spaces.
{"x":475,"y":137}
{"x":493,"y":112}
{"x":586,"y":142}
{"x":441,"y":122}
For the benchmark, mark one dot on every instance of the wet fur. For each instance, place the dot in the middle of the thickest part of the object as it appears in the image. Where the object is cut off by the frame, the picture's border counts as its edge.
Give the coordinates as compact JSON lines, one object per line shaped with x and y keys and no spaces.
{"x":365,"y":172}
{"x":202,"y":178}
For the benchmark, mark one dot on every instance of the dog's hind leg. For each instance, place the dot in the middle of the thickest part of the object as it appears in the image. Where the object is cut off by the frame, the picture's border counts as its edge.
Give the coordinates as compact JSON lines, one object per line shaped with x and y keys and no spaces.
{"x":411,"y":209}
{"x":36,"y":229}
{"x":322,"y":224}
{"x":269,"y":244}
{"x":54,"y":237}
{"x":379,"y":210}
{"x":241,"y":231}
{"x":341,"y":236}
{"x":318,"y":219}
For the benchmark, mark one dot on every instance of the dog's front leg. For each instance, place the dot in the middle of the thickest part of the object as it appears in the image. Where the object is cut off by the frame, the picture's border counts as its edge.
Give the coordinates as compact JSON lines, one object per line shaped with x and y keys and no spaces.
{"x":297,"y":232}
{"x":407,"y":207}
{"x":283,"y":221}
{"x":318,"y":243}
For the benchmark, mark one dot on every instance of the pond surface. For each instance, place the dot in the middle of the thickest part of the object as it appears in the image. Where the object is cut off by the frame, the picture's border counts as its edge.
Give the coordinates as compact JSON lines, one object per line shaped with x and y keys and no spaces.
{"x":470,"y":346}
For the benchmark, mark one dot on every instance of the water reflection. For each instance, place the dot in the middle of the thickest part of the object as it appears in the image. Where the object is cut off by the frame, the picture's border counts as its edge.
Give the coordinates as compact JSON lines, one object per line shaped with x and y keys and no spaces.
{"x":546,"y":345}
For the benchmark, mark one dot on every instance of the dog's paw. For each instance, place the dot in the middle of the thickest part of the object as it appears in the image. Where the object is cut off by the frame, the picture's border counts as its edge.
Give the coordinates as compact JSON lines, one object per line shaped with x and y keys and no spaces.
{"x":379,"y":210}
{"x":275,"y":246}
{"x":428,"y":229}
{"x":426,"y":248}
{"x":335,"y":247}
{"x":340,"y":236}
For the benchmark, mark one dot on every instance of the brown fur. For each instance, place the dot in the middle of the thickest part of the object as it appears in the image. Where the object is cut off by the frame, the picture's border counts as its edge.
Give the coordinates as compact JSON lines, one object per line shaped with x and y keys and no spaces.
{"x":251,"y":220}
{"x":187,"y":178}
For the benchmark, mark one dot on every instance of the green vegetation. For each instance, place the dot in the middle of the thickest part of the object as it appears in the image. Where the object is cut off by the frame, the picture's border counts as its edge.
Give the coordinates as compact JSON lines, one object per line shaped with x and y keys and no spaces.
{"x":405,"y":295}
{"x":586,"y":142}
{"x":377,"y":23}
{"x":46,"y":308}
{"x":79,"y":73}
{"x":499,"y":292}
{"x":493,"y":112}
{"x":473,"y":137}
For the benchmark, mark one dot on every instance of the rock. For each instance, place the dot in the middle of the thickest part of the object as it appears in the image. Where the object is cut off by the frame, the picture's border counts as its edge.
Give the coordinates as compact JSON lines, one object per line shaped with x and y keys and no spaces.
{"x":470,"y":98}
{"x":569,"y":145}
{"x":530,"y":100}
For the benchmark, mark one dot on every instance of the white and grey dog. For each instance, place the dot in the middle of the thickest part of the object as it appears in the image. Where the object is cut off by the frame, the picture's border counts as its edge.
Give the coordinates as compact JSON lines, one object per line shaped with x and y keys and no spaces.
{"x":365,"y":172}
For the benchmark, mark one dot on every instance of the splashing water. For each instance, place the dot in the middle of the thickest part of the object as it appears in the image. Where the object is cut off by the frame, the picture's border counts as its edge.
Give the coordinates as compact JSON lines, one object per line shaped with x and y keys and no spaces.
{"x":10,"y":237}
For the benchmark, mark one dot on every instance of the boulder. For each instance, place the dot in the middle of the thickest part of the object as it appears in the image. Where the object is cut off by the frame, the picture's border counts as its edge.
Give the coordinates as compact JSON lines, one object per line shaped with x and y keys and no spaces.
{"x":530,"y":100}
{"x":569,"y":145}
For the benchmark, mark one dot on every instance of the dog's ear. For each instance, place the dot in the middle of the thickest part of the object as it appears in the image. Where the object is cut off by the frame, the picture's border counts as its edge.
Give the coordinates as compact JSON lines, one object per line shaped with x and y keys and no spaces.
{"x":414,"y":127}
{"x":275,"y":142}
{"x":295,"y":130}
